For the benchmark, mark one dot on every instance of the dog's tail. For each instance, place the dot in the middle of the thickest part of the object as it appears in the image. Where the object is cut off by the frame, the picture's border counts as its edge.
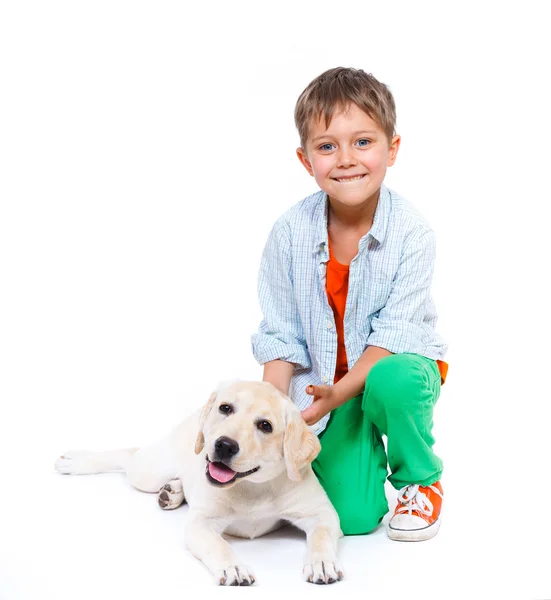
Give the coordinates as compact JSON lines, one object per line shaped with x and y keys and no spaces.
{"x":84,"y":462}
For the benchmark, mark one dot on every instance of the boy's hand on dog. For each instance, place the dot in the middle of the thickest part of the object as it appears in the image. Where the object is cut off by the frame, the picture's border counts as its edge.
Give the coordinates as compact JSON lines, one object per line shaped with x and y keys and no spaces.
{"x":324,"y":402}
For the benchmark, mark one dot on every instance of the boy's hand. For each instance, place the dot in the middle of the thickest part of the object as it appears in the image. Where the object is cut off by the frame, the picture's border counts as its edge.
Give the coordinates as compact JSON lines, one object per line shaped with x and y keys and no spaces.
{"x":325,"y":401}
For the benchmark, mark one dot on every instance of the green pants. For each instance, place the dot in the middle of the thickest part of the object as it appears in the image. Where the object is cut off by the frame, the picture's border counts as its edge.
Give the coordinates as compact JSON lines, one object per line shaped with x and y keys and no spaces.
{"x":400,"y":393}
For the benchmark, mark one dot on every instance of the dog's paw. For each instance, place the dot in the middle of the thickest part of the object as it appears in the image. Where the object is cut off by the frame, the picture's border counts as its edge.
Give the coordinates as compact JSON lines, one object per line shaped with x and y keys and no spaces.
{"x":77,"y":462}
{"x":323,"y":571}
{"x":235,"y":575}
{"x":171,"y":495}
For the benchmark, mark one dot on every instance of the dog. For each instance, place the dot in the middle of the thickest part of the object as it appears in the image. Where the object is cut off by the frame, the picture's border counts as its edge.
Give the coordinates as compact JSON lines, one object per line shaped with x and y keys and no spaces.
{"x":243,"y":464}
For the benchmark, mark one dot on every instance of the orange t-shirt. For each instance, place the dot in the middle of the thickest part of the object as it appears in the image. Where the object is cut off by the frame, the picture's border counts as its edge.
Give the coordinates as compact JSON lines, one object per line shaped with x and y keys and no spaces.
{"x":337,"y":290}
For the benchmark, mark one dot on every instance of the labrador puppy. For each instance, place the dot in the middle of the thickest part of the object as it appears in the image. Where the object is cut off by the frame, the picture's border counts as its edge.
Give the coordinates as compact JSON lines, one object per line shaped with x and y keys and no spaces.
{"x":243,"y":464}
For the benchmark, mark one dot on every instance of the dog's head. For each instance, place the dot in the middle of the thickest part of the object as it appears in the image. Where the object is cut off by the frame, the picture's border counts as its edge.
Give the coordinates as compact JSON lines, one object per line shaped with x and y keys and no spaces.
{"x":251,"y":430}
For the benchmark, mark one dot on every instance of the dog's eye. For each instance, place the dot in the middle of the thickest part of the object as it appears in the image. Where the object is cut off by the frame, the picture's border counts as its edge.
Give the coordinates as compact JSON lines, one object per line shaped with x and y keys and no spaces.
{"x":265,"y":426}
{"x":225,"y":408}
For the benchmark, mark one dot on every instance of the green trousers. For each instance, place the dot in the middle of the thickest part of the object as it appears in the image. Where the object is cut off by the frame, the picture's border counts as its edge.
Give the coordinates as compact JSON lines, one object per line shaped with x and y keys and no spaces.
{"x":400,"y":393}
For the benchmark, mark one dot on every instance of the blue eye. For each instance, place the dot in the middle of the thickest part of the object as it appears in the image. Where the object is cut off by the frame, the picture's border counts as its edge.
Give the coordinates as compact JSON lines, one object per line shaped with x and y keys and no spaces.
{"x":367,"y":142}
{"x":324,"y":147}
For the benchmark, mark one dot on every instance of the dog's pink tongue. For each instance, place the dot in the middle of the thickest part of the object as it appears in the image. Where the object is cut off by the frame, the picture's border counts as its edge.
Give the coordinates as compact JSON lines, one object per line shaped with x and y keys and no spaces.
{"x":220,"y":472}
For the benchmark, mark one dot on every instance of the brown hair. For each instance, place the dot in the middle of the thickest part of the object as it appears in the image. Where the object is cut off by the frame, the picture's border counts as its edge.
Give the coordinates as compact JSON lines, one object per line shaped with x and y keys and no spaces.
{"x":335,"y":90}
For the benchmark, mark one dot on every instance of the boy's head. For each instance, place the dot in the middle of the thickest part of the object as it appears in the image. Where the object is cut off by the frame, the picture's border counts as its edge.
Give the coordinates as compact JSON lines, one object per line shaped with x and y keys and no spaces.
{"x":346,"y":121}
{"x":335,"y":90}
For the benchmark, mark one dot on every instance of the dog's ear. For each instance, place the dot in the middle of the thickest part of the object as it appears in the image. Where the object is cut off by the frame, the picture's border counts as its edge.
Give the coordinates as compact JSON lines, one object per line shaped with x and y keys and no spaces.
{"x":300,"y":444}
{"x":200,"y":442}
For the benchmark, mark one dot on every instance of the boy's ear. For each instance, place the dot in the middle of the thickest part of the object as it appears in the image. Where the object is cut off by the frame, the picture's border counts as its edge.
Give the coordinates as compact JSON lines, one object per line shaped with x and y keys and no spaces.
{"x":303,"y":157}
{"x":393,"y":150}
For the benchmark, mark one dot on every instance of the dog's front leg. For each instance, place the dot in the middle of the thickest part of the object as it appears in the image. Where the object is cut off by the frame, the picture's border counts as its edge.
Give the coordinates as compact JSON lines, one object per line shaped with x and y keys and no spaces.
{"x":322,"y":534}
{"x":205,"y":542}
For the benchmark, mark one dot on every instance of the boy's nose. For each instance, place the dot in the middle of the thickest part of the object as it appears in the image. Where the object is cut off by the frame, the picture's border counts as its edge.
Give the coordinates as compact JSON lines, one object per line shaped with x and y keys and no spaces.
{"x":345,"y":158}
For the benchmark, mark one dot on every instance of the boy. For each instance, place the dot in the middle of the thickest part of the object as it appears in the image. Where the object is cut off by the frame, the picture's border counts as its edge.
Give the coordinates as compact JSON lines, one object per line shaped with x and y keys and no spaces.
{"x":344,"y":287}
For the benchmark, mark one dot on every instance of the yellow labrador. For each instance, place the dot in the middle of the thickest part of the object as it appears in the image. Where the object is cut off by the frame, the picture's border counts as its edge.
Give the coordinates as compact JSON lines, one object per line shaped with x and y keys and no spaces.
{"x":243,"y":464}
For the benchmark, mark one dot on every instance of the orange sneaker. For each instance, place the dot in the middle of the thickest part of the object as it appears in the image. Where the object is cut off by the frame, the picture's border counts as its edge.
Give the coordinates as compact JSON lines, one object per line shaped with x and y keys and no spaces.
{"x":417,"y":515}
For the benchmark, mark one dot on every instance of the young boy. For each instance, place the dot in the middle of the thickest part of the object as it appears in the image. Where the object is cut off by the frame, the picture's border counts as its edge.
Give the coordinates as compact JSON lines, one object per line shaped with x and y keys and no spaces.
{"x":344,"y":287}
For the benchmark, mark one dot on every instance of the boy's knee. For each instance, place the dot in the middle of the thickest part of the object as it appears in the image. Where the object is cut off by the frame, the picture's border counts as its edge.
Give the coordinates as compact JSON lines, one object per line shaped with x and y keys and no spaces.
{"x":360,"y":522}
{"x":394,"y":379}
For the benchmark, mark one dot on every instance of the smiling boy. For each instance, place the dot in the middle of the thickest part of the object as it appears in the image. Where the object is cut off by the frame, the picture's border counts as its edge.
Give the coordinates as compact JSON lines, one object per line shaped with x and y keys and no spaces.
{"x":348,"y":327}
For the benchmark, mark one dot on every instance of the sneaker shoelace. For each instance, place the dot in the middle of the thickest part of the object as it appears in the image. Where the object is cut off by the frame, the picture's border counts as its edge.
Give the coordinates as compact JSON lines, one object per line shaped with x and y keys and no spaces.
{"x":412,"y":499}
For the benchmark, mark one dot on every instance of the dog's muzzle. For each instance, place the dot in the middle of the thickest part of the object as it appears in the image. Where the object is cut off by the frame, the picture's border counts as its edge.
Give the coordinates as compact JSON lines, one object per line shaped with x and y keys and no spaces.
{"x":218,"y":471}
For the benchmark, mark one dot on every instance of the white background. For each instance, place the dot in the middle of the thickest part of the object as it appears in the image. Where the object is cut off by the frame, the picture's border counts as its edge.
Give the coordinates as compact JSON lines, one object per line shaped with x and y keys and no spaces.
{"x":146,"y":148}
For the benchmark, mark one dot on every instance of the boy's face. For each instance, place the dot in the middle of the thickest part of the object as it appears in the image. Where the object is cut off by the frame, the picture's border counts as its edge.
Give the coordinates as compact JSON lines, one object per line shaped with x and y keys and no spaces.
{"x":349,"y":159}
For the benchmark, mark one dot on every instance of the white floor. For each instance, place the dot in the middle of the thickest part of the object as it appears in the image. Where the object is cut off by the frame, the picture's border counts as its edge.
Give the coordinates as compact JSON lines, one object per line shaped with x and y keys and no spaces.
{"x":91,"y":537}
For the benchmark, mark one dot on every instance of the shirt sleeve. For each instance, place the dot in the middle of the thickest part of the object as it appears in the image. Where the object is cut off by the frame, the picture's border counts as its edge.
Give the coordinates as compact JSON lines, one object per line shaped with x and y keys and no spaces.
{"x":280,"y":335}
{"x":405,"y":323}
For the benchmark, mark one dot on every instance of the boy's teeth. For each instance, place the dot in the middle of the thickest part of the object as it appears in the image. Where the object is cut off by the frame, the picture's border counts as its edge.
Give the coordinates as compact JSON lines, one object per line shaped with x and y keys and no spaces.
{"x":349,"y":178}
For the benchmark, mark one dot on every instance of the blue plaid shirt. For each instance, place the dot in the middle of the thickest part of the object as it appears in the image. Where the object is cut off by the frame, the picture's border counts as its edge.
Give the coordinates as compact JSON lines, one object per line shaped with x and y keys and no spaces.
{"x":388,"y":302}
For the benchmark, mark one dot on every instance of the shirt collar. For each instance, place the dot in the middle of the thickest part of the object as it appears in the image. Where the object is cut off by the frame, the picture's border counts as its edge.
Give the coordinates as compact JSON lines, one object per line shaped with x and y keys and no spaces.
{"x":378,"y":229}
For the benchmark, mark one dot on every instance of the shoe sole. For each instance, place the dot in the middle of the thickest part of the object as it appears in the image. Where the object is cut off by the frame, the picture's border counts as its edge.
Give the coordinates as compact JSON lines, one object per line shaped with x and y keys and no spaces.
{"x":414,"y":535}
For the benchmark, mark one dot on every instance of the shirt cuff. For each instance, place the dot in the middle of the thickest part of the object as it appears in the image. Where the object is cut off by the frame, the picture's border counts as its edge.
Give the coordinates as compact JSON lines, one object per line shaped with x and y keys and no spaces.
{"x":267,"y":348}
{"x":404,"y":337}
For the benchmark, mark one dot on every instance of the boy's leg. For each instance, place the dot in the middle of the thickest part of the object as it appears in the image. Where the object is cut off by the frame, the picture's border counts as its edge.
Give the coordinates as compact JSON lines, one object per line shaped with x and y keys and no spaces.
{"x":352,"y":468}
{"x":399,"y":397}
{"x":400,"y":393}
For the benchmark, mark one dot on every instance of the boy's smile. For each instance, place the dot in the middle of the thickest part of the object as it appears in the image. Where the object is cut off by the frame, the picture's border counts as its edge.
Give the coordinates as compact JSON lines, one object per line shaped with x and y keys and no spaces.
{"x":349,"y":158}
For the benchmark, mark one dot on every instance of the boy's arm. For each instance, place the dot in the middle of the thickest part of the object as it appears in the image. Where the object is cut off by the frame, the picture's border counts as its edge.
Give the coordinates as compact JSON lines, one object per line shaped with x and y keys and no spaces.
{"x":407,"y":320}
{"x":329,"y":397}
{"x":279,"y":344}
{"x":279,"y":373}
{"x":353,"y":382}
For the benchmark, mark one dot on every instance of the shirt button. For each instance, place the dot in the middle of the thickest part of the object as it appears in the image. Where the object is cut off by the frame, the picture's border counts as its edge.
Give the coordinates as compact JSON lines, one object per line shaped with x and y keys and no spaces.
{"x":329,"y":324}
{"x":325,"y":379}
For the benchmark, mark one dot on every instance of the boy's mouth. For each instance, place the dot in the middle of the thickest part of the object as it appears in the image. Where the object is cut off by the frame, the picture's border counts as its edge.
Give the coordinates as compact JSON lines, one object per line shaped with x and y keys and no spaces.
{"x":348,"y":179}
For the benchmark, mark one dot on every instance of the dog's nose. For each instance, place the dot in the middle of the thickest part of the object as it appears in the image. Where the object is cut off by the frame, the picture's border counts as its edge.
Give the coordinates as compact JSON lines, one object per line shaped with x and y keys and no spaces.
{"x":226,"y":448}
